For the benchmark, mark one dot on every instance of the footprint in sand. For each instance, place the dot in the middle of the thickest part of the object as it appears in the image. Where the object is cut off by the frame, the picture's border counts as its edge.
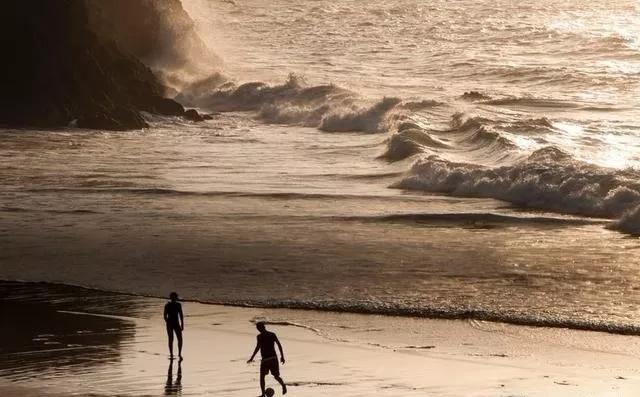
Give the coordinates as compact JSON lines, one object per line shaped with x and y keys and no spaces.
{"x":314,"y":384}
{"x":420,"y":347}
{"x":563,"y":383}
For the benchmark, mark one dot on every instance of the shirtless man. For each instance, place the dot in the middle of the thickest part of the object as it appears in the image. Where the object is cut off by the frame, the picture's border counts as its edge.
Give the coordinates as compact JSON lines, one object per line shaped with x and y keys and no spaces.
{"x":269,"y":363}
{"x":175,"y":322}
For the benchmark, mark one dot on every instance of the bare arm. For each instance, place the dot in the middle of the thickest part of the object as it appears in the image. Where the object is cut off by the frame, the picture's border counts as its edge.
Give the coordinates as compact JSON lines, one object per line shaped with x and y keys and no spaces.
{"x":166,"y":314}
{"x":255,"y":351}
{"x":281,"y":351}
{"x":181,"y":317}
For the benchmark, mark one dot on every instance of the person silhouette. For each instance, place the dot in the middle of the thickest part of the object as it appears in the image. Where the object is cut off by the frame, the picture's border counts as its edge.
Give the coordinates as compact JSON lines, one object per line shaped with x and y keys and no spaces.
{"x":269,"y":362}
{"x":172,"y":387}
{"x":174,"y":320}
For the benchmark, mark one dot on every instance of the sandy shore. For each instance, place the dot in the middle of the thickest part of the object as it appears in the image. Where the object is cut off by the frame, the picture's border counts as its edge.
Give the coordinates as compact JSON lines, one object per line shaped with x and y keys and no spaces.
{"x":69,"y":341}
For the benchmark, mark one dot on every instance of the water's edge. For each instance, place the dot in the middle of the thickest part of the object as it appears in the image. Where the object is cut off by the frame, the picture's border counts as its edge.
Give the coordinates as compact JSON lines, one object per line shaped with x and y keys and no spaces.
{"x":389,"y":311}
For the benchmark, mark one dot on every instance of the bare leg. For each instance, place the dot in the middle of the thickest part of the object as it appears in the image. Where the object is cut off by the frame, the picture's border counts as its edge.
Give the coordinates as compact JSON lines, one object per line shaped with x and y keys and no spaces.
{"x":262,"y":384}
{"x":284,"y":387}
{"x":179,"y":335}
{"x":170,"y":335}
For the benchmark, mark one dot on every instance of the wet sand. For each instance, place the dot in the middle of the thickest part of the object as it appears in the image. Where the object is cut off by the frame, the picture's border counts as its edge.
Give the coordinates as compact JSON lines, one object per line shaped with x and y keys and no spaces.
{"x":70,"y":341}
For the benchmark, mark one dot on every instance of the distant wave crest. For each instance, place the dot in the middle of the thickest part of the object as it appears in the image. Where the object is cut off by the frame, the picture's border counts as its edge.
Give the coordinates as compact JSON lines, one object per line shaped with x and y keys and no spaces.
{"x":410,"y":140}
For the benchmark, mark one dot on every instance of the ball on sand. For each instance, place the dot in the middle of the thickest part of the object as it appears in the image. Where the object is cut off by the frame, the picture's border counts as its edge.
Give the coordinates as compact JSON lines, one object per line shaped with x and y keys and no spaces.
{"x":269,"y":392}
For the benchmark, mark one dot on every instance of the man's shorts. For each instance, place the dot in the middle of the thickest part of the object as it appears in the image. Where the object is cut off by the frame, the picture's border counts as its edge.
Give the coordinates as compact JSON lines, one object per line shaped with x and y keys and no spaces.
{"x":174,"y":327}
{"x":270,"y":365}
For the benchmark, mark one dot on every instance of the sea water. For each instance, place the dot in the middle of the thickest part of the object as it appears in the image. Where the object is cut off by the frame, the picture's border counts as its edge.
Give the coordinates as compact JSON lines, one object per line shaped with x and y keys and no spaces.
{"x":466,"y":159}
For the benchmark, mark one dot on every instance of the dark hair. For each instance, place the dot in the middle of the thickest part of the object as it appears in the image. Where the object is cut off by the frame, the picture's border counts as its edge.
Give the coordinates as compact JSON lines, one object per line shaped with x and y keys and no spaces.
{"x":261,"y":325}
{"x":173,"y":295}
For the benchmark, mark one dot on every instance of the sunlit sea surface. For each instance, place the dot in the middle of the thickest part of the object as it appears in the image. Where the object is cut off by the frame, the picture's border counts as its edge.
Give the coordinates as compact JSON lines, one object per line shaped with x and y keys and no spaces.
{"x":472,"y":159}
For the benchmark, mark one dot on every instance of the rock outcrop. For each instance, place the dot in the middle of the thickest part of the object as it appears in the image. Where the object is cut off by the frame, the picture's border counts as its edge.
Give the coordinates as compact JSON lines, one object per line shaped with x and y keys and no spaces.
{"x":57,"y":70}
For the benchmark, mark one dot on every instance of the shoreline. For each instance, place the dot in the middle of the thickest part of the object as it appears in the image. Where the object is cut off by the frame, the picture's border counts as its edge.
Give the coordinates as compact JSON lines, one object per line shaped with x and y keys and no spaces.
{"x":427,"y":314}
{"x":114,"y":344}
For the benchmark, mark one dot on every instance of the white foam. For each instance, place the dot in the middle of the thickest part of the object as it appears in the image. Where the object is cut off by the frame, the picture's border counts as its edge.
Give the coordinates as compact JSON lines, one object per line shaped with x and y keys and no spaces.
{"x":548,"y":180}
{"x":327,"y":107}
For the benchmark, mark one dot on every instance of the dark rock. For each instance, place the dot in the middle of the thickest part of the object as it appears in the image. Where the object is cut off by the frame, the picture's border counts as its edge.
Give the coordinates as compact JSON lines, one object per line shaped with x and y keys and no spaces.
{"x":193,"y":115}
{"x":165,"y":106}
{"x":56,"y":68}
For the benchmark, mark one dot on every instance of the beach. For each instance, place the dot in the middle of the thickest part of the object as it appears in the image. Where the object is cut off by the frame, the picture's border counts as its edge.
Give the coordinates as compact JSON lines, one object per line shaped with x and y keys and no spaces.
{"x":71,"y":341}
{"x":419,"y":197}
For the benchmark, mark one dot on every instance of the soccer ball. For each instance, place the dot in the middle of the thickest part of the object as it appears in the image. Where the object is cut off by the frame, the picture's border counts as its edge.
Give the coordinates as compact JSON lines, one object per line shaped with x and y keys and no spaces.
{"x":269,"y":392}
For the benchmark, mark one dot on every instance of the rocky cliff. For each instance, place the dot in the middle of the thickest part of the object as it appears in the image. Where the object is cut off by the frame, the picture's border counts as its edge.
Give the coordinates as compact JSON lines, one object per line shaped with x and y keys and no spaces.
{"x":58,"y":69}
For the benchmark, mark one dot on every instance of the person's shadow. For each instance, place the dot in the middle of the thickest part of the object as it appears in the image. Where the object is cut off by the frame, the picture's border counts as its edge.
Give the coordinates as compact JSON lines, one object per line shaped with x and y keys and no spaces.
{"x":173,"y":388}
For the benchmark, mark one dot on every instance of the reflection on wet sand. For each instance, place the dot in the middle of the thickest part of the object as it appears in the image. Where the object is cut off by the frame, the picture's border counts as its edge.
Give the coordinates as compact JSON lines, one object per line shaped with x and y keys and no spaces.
{"x":67,"y":340}
{"x":43,"y":339}
{"x":174,"y":388}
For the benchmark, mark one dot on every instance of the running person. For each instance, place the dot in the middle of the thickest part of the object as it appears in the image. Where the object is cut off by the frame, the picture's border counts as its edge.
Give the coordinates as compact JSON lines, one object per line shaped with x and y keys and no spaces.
{"x":269,"y":363}
{"x":174,"y":319}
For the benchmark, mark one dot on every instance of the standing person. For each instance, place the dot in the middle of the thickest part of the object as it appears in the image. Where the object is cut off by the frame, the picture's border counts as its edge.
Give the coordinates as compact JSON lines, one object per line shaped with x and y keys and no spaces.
{"x":269,"y":363}
{"x":174,"y":319}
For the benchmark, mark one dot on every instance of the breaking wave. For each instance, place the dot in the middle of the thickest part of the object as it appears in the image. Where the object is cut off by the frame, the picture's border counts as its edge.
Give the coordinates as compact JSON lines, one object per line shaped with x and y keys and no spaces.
{"x":327,"y":107}
{"x":548,"y":179}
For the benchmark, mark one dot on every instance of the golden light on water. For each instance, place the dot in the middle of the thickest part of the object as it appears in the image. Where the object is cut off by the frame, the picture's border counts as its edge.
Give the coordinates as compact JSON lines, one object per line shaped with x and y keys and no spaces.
{"x":615,"y":153}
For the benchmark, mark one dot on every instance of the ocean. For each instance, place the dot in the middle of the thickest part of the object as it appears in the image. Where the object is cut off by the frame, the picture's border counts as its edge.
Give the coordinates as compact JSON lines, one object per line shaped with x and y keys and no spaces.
{"x":467,"y":159}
